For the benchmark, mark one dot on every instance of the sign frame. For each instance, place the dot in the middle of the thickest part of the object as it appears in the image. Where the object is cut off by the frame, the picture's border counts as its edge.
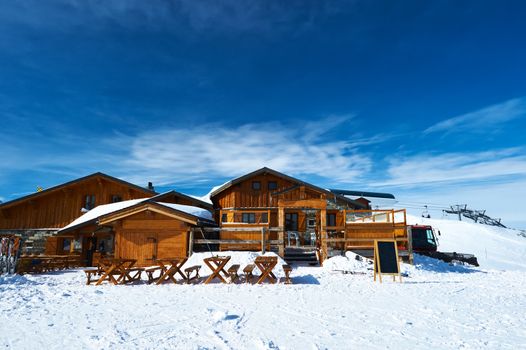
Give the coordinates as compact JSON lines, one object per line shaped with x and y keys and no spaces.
{"x":377,"y":264}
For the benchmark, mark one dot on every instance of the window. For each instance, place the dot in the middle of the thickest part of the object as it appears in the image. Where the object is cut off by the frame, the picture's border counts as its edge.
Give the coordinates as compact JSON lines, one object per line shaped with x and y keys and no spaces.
{"x":256,"y":185}
{"x":248,"y":218}
{"x":66,"y":245}
{"x":272,"y":185}
{"x":115,"y":198}
{"x":264,"y":217}
{"x":89,"y":202}
{"x":224,"y":217}
{"x":291,"y":221}
{"x":331,"y":219}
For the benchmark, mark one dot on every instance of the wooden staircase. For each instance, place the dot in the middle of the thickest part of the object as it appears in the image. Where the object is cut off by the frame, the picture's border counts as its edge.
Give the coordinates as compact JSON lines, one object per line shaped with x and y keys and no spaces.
{"x":301,"y":255}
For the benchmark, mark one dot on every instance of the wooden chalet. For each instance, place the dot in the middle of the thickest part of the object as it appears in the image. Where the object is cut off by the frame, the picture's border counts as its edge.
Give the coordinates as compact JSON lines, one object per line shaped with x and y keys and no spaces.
{"x":39,"y":215}
{"x":144,"y":230}
{"x":267,"y":209}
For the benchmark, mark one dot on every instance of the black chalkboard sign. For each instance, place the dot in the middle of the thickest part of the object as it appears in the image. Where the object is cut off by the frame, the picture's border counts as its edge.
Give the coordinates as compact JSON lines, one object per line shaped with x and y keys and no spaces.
{"x":386,"y":258}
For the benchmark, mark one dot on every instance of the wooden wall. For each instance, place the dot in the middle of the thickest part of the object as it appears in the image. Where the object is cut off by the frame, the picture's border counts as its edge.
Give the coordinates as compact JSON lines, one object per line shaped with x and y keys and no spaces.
{"x":136,"y":235}
{"x":243,"y":196}
{"x":58,"y":208}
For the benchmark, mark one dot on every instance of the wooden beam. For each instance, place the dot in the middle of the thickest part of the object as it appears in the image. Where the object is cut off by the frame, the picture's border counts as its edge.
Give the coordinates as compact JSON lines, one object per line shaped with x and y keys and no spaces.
{"x":190,"y":242}
{"x":281,"y":231}
{"x":304,"y":203}
{"x":323,"y":234}
{"x":263,"y":245}
{"x":127,"y":213}
{"x":235,"y":241}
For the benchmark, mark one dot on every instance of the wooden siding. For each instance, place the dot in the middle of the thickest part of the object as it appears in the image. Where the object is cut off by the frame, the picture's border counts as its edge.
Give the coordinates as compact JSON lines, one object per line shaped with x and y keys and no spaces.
{"x":243,"y":196}
{"x":145,"y":236}
{"x":60,"y":207}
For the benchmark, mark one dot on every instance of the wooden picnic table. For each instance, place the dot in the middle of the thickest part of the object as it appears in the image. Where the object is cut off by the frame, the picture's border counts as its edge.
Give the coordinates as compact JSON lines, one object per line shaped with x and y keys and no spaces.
{"x":266,"y":264}
{"x":59,"y":262}
{"x":171,"y":266}
{"x":217,"y":265}
{"x":116,"y":267}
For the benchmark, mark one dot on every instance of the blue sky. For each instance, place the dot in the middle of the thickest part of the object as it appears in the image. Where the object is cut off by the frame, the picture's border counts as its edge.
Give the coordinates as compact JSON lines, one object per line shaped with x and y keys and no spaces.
{"x":424,"y":99}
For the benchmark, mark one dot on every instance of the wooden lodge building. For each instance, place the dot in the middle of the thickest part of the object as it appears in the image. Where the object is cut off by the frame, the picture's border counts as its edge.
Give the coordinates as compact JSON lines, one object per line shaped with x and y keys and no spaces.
{"x":40,"y":215}
{"x":263,"y":210}
{"x":267,"y":209}
{"x":142,"y":229}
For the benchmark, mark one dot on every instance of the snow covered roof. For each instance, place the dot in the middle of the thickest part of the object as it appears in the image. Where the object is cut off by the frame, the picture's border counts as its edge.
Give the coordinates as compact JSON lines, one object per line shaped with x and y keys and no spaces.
{"x":92,"y":216}
{"x":198,"y":201}
{"x":95,"y":213}
{"x":189,"y":209}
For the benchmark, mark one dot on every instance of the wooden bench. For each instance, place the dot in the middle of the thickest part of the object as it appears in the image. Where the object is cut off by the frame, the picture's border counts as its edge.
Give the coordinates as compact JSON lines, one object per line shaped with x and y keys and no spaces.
{"x":89,"y":273}
{"x":287,"y":269}
{"x":248,"y":272}
{"x":189,"y":270}
{"x":150,"y":271}
{"x":232,"y":271}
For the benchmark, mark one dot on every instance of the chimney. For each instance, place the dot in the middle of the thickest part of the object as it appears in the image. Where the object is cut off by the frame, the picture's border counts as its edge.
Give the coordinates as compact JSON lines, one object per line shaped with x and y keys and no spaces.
{"x":150,"y":186}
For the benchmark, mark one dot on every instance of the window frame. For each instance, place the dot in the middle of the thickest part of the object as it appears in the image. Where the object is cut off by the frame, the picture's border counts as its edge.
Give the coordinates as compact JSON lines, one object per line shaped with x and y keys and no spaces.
{"x":331,"y":215}
{"x":248,"y":218}
{"x":90,"y":202}
{"x":115,"y":196}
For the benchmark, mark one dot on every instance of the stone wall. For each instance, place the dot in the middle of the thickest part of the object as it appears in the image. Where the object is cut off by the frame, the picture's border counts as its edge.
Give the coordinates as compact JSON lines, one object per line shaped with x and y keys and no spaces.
{"x":33,"y":241}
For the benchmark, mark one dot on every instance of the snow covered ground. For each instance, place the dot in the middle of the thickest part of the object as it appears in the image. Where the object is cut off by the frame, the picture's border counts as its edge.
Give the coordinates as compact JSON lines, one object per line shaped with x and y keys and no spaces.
{"x":438,"y":306}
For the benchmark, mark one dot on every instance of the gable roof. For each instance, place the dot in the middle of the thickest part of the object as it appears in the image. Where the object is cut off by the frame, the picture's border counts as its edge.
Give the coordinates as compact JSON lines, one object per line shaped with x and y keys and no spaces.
{"x":198,"y":203}
{"x":266,"y":170}
{"x":76,"y":181}
{"x":94,"y":216}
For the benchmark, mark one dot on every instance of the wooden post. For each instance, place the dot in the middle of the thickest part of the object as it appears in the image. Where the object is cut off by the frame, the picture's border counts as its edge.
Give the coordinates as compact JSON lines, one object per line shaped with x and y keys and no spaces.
{"x":191,"y":242}
{"x":323,"y":234}
{"x":281,"y":228}
{"x":263,"y":244}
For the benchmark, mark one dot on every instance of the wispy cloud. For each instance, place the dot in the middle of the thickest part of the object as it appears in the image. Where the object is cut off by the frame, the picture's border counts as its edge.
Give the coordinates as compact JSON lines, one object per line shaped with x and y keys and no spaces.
{"x":228,"y":16}
{"x":217,"y":151}
{"x":429,"y":169}
{"x":483,"y":119}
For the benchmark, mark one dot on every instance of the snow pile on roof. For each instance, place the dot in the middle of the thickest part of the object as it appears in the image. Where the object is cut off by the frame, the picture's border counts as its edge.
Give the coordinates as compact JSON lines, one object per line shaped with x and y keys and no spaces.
{"x":495,"y":247}
{"x":206,"y":197}
{"x":195,"y":211}
{"x":103,"y":210}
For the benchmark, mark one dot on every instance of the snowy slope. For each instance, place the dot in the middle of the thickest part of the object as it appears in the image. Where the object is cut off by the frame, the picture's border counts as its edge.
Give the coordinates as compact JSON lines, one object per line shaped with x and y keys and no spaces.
{"x":494,"y":247}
